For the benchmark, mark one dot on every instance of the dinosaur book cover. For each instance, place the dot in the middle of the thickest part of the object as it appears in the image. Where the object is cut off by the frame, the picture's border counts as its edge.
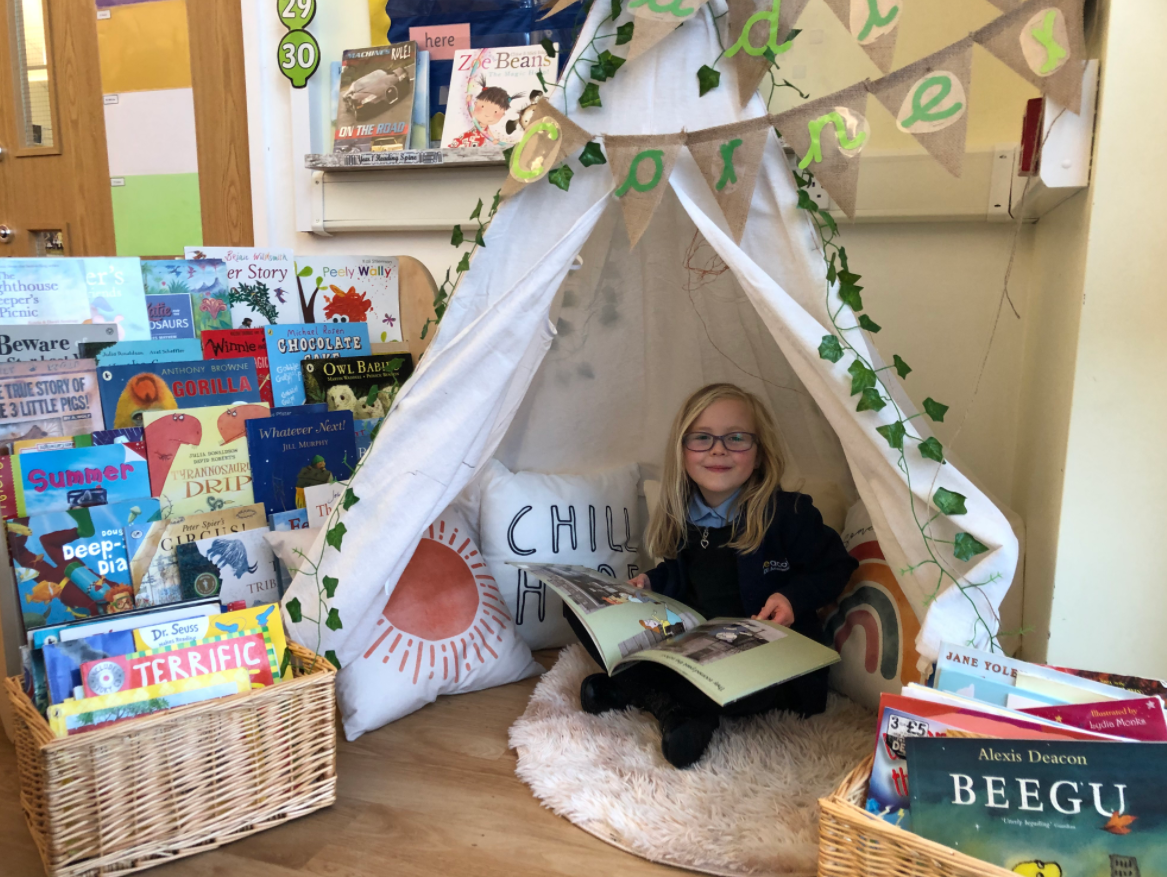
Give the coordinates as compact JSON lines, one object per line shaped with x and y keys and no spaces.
{"x":289,"y":454}
{"x":375,"y":104}
{"x":260,"y":283}
{"x":238,"y":568}
{"x":205,"y":280}
{"x":198,"y":457}
{"x":1045,"y":809}
{"x":129,"y":391}
{"x":55,"y":397}
{"x":241,"y":343}
{"x":288,"y":346}
{"x":351,"y":289}
{"x":74,"y":478}
{"x":170,"y":316}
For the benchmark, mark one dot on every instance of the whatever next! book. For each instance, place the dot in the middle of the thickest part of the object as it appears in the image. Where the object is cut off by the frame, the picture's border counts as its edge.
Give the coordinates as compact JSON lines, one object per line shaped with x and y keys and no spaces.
{"x":288,"y":346}
{"x":489,"y":89}
{"x":376,"y":98}
{"x":128,"y":391}
{"x":289,"y":454}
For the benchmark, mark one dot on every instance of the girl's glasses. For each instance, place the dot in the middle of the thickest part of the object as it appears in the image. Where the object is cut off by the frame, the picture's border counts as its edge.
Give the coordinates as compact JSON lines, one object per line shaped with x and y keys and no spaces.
{"x":703,"y":441}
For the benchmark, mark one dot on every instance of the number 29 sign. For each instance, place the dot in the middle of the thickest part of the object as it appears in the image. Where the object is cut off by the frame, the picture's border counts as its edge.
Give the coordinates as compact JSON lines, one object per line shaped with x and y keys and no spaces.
{"x":298,"y":52}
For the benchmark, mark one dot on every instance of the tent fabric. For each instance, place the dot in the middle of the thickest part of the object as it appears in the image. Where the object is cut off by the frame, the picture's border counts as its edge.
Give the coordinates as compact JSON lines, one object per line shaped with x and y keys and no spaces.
{"x":569,"y":371}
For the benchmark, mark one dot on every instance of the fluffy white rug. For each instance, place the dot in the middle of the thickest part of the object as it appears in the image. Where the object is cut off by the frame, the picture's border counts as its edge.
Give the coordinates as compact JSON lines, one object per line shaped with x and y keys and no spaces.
{"x":748,"y":807}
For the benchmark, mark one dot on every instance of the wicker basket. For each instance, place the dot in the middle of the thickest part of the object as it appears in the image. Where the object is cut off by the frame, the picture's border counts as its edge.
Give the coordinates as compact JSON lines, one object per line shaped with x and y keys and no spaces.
{"x":181,"y":781}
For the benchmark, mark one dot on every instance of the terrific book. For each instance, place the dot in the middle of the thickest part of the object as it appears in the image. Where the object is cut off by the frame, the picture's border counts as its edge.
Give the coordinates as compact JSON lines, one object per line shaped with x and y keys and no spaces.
{"x":260,"y":283}
{"x":241,"y":343}
{"x":352,"y":289}
{"x":51,"y":481}
{"x":55,"y":341}
{"x":288,"y":346}
{"x":726,"y":658}
{"x":489,"y":88}
{"x":289,"y":454}
{"x":376,"y":98}
{"x":128,"y":391}
{"x":50,"y":398}
{"x":205,"y":280}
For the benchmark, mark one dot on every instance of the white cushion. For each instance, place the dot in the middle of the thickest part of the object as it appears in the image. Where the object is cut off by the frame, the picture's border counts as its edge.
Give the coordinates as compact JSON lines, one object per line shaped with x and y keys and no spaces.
{"x":592,"y":520}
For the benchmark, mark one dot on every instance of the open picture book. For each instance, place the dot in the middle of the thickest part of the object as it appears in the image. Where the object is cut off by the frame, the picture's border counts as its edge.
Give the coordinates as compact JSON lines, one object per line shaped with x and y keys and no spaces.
{"x":726,"y":658}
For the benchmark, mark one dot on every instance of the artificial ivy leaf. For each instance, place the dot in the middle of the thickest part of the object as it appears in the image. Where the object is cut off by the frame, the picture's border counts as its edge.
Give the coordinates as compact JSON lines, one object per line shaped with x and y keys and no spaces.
{"x":506,"y":155}
{"x":332,"y":622}
{"x":848,"y":277}
{"x":615,"y":9}
{"x":793,"y":33}
{"x":894,"y":433}
{"x":456,"y":236}
{"x":861,"y":377}
{"x":598,"y":72}
{"x":843,"y":258}
{"x":332,"y":658}
{"x":870,"y":400}
{"x":805,"y":202}
{"x":831,"y":273}
{"x":611,"y":62}
{"x":624,"y":34}
{"x":479,"y":240}
{"x":707,"y":79}
{"x":330,"y":584}
{"x":850,"y":296}
{"x":335,"y":535}
{"x":306,"y":271}
{"x":902,"y":368}
{"x":464,"y":264}
{"x":561,"y":177}
{"x":592,"y":154}
{"x":830,"y":222}
{"x":949,"y":502}
{"x":372,"y":396}
{"x":542,"y":81}
{"x":590,"y":96}
{"x":966,"y":546}
{"x":477,"y":210}
{"x":350,"y":499}
{"x":770,"y":56}
{"x":830,"y":349}
{"x":548,"y":46}
{"x":293,"y":607}
{"x":498,"y":192}
{"x":870,"y":325}
{"x":934,"y":409}
{"x":932,"y":449}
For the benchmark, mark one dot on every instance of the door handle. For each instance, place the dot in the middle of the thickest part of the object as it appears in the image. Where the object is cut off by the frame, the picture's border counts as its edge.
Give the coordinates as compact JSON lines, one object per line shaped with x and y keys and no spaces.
{"x":6,"y":234}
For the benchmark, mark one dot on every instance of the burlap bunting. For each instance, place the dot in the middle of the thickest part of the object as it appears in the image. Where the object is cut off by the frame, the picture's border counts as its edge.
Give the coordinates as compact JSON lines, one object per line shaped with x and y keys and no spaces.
{"x":1042,"y":40}
{"x":875,"y":24}
{"x":828,"y":135}
{"x":729,"y":158}
{"x":769,"y":22}
{"x":656,"y":19}
{"x":641,"y":167}
{"x":929,"y":100}
{"x":549,"y":136}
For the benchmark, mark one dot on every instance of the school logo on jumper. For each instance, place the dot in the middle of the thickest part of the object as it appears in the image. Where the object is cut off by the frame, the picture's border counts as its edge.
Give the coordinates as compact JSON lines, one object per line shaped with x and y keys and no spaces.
{"x":769,"y":566}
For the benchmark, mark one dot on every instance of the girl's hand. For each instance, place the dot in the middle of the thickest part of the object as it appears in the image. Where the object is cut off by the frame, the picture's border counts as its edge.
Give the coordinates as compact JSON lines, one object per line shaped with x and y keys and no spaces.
{"x":641,"y":581}
{"x":778,"y":610}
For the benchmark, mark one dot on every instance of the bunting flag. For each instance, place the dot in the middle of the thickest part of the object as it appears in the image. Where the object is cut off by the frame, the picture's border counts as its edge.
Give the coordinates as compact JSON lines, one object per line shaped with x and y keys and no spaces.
{"x":560,"y":5}
{"x":1043,"y":41}
{"x":656,"y":19}
{"x":548,"y":136}
{"x":756,"y":26}
{"x":641,"y":167}
{"x":1006,"y":5}
{"x":875,"y":24}
{"x":929,"y":100}
{"x":829,"y":135}
{"x":729,"y":158}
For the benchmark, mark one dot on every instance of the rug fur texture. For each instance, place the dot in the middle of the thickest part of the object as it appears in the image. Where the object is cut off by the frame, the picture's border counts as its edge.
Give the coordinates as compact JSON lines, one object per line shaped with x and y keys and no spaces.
{"x":748,"y":807}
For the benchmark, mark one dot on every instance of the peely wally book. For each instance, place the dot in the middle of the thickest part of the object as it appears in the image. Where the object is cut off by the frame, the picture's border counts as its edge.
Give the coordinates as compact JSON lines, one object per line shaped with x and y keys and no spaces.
{"x":1044,"y":808}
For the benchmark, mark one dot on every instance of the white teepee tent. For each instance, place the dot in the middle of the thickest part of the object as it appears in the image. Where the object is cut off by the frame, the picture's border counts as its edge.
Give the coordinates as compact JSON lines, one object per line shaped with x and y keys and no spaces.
{"x":558,"y":371}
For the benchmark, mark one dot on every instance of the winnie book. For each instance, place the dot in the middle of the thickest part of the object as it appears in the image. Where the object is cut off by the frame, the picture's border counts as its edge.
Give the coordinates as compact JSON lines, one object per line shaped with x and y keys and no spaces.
{"x":376,"y":98}
{"x":241,"y":343}
{"x":726,"y":658}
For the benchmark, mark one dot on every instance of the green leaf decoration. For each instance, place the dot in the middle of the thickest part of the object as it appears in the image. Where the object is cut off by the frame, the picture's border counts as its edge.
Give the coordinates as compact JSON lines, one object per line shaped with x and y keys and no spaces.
{"x":332,"y":622}
{"x":770,"y":56}
{"x":548,"y":46}
{"x":611,"y":62}
{"x":372,"y":396}
{"x":590,"y":96}
{"x":293,"y":607}
{"x":932,"y":449}
{"x":306,"y":271}
{"x":861,"y":377}
{"x":831,"y":273}
{"x":934,"y":409}
{"x":966,"y":546}
{"x":477,"y":210}
{"x":624,"y":34}
{"x":332,"y":658}
{"x":561,"y":177}
{"x":865,"y":322}
{"x":336,"y":535}
{"x":792,"y":34}
{"x":330,"y":584}
{"x":949,"y":502}
{"x":542,"y":81}
{"x":350,"y":499}
{"x":615,"y":9}
{"x":843,"y":258}
{"x":456,"y":236}
{"x":464,"y":265}
{"x":707,"y":79}
{"x":598,"y":72}
{"x":319,"y":282}
{"x":805,"y":202}
{"x":829,"y":221}
{"x":592,"y":154}
{"x":830,"y":349}
{"x":506,"y":155}
{"x":902,"y":368}
{"x":870,"y":400}
{"x":894,"y":433}
{"x":848,"y":277}
{"x":849,"y":294}
{"x":498,"y":192}
{"x":479,"y":240}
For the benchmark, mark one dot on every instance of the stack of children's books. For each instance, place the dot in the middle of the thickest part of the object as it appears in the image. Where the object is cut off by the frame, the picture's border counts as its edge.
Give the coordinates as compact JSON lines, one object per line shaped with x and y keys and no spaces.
{"x":1040,"y":770}
{"x":158,"y":419}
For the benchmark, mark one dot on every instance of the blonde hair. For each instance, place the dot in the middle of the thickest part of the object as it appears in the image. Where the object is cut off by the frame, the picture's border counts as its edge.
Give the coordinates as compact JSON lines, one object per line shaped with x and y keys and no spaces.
{"x":666,"y":530}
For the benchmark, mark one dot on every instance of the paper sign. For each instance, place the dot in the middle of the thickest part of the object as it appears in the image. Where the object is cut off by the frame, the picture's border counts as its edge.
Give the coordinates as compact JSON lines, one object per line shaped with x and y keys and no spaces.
{"x":441,"y":41}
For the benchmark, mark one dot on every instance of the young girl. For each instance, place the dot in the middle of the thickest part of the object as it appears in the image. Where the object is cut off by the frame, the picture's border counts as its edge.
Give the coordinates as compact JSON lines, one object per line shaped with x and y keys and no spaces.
{"x":490,"y":105}
{"x":735,"y":544}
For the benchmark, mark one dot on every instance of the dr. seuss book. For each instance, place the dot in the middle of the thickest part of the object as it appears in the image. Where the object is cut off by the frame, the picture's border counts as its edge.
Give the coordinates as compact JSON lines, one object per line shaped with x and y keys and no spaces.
{"x":161,"y":583}
{"x":260,"y":282}
{"x":364,"y":385}
{"x":266,"y":616}
{"x":75,"y":630}
{"x":236,"y":568}
{"x":50,"y":341}
{"x":63,"y":660}
{"x":376,"y":98}
{"x":233,"y":343}
{"x":205,"y":280}
{"x":352,"y":289}
{"x":170,"y":316}
{"x":726,"y":658}
{"x":198,"y":457}
{"x":1043,"y":808}
{"x":52,"y":481}
{"x":66,"y":568}
{"x":129,"y":391}
{"x":288,"y":346}
{"x":289,"y":454}
{"x":143,"y":352}
{"x":50,"y":398}
{"x":489,"y":88}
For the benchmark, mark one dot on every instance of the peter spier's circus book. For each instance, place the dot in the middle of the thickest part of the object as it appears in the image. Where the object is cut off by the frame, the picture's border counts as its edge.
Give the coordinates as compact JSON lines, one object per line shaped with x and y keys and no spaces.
{"x":489,"y":89}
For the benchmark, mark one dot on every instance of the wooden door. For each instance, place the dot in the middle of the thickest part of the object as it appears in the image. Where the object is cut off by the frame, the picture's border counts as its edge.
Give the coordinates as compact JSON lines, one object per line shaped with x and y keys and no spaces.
{"x":54,"y":174}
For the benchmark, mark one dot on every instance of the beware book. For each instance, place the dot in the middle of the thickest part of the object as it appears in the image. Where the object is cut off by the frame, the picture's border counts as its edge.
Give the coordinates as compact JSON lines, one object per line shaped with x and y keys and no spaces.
{"x":288,"y":346}
{"x":289,"y":454}
{"x":49,"y":398}
{"x":351,"y":289}
{"x":204,"y":280}
{"x":129,"y":391}
{"x":56,"y":341}
{"x":1043,"y":807}
{"x":241,"y":343}
{"x":170,"y":316}
{"x":51,"y":481}
{"x":260,"y":284}
{"x":238,"y":569}
{"x":726,"y":658}
{"x":198,"y":457}
{"x":489,"y":88}
{"x":376,"y":98}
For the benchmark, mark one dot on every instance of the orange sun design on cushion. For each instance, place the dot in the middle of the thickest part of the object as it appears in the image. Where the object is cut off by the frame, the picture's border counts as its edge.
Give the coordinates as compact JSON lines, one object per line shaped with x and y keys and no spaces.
{"x":445,"y":611}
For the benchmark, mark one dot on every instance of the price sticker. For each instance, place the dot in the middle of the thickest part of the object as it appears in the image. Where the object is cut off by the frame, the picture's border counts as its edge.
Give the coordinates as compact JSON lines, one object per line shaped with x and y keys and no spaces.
{"x":299,"y":56}
{"x":296,"y":14}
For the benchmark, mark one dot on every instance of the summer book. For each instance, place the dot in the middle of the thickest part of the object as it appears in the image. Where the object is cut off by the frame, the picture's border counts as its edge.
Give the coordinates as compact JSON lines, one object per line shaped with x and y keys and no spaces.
{"x":726,"y":658}
{"x":51,"y":481}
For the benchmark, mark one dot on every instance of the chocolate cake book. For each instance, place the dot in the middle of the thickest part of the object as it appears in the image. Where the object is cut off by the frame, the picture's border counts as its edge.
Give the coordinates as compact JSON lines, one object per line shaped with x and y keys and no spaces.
{"x":289,"y":345}
{"x":127,"y":391}
{"x":289,"y":454}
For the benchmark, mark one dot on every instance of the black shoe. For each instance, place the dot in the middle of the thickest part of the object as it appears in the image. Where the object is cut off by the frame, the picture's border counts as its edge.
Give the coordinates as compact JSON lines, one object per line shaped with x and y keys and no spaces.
{"x":599,"y":694}
{"x":685,"y":737}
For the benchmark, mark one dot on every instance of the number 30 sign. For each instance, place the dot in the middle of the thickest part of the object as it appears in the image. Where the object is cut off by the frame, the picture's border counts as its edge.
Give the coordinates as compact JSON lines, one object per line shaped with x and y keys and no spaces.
{"x":298,"y":52}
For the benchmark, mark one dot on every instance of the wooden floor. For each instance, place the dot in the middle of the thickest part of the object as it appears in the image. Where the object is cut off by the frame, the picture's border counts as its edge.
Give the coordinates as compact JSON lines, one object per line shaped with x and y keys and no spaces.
{"x":434,"y":793}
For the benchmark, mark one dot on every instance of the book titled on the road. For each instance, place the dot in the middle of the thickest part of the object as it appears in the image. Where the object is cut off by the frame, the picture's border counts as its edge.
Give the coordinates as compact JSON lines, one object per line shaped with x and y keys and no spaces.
{"x":726,"y":658}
